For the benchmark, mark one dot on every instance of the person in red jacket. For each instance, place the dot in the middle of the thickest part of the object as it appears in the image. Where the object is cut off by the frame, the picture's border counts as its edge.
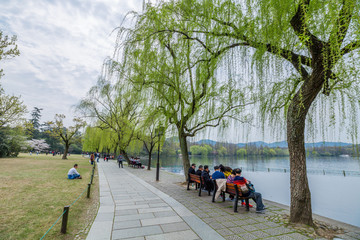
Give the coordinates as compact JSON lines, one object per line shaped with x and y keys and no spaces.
{"x":241,"y":181}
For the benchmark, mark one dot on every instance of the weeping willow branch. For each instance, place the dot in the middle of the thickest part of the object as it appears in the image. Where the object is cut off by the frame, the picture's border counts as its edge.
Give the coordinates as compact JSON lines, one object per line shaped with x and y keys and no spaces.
{"x":350,"y":47}
{"x":298,"y":23}
{"x":343,"y":22}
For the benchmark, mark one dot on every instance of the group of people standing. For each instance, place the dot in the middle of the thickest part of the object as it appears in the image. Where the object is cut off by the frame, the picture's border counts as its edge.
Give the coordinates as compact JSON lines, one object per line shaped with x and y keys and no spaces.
{"x":231,"y":176}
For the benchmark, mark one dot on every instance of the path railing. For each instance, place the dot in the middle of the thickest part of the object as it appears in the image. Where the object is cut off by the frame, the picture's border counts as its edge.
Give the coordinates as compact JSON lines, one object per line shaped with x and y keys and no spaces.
{"x":65,"y":213}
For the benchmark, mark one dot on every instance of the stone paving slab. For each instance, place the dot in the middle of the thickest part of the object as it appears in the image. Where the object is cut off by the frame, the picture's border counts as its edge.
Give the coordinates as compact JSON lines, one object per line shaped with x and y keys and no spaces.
{"x":130,"y":208}
{"x":220,"y":217}
{"x":188,"y":235}
{"x":145,"y":209}
{"x":136,"y":232}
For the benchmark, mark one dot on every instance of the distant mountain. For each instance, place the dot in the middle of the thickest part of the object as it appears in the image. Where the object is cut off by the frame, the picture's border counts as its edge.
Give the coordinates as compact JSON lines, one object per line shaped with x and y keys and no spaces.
{"x":256,"y":144}
{"x":207,"y":141}
{"x":282,"y":144}
{"x":327,"y":144}
{"x":264,"y":144}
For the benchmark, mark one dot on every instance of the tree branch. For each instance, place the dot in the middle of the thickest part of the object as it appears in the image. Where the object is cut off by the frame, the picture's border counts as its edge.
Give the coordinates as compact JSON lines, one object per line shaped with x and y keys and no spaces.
{"x":343,"y":22}
{"x":298,"y":23}
{"x":350,"y":47}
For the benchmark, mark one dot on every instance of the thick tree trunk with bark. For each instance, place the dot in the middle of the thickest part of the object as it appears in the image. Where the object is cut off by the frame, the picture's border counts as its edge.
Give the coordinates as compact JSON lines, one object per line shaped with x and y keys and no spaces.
{"x":184,"y":152}
{"x":300,"y":209}
{"x":67,"y":145}
{"x":149,"y":165}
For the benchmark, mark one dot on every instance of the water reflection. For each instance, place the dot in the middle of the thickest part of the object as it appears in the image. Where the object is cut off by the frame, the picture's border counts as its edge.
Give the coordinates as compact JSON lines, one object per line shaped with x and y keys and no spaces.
{"x":347,"y":166}
{"x":333,"y":195}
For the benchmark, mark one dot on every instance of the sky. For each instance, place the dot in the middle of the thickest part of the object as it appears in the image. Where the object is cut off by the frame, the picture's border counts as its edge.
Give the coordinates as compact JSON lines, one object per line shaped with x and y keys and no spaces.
{"x":62,"y":45}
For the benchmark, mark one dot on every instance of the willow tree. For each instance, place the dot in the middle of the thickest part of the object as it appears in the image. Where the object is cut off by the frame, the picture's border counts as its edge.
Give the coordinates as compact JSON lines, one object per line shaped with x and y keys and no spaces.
{"x":310,"y":47}
{"x":109,"y":141}
{"x":92,"y":139}
{"x":180,"y":80}
{"x":147,"y":132}
{"x":116,"y":108}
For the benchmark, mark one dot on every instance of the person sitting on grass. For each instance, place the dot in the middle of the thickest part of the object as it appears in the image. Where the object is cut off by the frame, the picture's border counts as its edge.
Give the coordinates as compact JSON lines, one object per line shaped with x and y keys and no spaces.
{"x":73,"y":174}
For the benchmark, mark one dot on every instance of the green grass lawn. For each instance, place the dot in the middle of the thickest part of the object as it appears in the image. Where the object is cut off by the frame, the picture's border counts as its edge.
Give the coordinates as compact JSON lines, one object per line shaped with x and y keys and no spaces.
{"x":34,"y":190}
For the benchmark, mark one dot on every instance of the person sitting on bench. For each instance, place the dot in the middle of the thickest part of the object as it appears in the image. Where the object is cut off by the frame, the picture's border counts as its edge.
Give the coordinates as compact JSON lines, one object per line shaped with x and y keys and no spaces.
{"x":192,"y":169}
{"x":217,"y":174}
{"x":200,"y":170}
{"x":239,"y":180}
{"x":207,"y":179}
{"x":73,"y":174}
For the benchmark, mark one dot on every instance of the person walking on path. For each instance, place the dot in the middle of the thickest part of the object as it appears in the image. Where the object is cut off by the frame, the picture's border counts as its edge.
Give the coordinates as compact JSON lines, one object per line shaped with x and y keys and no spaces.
{"x":120,"y":161}
{"x":92,"y":158}
{"x":73,"y":173}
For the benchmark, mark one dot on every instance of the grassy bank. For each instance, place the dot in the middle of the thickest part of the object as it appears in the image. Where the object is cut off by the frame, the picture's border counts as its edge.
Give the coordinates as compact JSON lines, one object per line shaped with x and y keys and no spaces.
{"x":34,"y":190}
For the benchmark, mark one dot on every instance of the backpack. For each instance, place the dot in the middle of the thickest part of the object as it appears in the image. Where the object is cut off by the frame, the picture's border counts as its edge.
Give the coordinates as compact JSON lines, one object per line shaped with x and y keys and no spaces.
{"x":243,"y":188}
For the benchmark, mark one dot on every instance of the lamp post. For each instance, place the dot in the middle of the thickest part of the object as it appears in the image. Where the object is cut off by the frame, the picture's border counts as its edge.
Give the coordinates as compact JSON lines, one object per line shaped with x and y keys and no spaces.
{"x":158,"y":131}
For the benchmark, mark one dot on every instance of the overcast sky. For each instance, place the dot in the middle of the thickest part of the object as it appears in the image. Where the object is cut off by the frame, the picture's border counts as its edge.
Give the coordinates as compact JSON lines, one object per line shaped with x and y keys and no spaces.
{"x":62,"y":45}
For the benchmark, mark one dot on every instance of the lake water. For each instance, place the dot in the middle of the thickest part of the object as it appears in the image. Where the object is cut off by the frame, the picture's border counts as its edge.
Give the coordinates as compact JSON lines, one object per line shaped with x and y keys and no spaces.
{"x":334,"y":182}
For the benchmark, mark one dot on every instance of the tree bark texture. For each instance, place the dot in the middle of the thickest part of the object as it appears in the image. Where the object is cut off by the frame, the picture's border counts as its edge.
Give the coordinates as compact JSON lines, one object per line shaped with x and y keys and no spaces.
{"x":67,"y":145}
{"x":184,"y":153}
{"x":300,"y":209}
{"x":149,"y":165}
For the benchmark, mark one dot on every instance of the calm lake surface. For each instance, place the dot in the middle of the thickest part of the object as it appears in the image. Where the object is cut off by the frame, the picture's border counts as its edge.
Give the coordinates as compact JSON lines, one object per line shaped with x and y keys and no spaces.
{"x":334,"y":181}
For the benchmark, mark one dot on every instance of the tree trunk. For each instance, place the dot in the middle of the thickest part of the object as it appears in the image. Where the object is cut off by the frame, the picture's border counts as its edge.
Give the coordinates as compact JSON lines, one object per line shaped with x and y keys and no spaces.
{"x":149,"y":165}
{"x":184,"y":153}
{"x":115,"y":151}
{"x":67,"y":145}
{"x":300,"y":208}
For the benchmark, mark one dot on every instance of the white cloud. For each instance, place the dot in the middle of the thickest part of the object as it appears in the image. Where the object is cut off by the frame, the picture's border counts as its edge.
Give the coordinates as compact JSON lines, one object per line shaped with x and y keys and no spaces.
{"x":63,"y":45}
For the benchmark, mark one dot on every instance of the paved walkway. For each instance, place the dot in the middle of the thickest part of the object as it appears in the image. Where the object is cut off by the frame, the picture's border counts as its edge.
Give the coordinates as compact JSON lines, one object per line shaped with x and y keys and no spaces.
{"x":130,"y":208}
{"x":134,"y":208}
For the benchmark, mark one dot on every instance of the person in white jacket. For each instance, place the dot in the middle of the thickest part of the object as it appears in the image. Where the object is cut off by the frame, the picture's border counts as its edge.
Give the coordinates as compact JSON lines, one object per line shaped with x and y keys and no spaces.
{"x":73,"y":174}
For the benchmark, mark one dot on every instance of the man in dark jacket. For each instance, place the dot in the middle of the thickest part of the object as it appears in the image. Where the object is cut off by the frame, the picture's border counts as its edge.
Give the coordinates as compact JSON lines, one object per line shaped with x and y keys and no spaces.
{"x":206,"y":175}
{"x":200,"y":170}
{"x":192,"y":168}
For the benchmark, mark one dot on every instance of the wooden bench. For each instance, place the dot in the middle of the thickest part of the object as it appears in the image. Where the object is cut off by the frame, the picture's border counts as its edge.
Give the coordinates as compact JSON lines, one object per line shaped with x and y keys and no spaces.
{"x":135,"y":163}
{"x":232,"y":189}
{"x":198,"y":180}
